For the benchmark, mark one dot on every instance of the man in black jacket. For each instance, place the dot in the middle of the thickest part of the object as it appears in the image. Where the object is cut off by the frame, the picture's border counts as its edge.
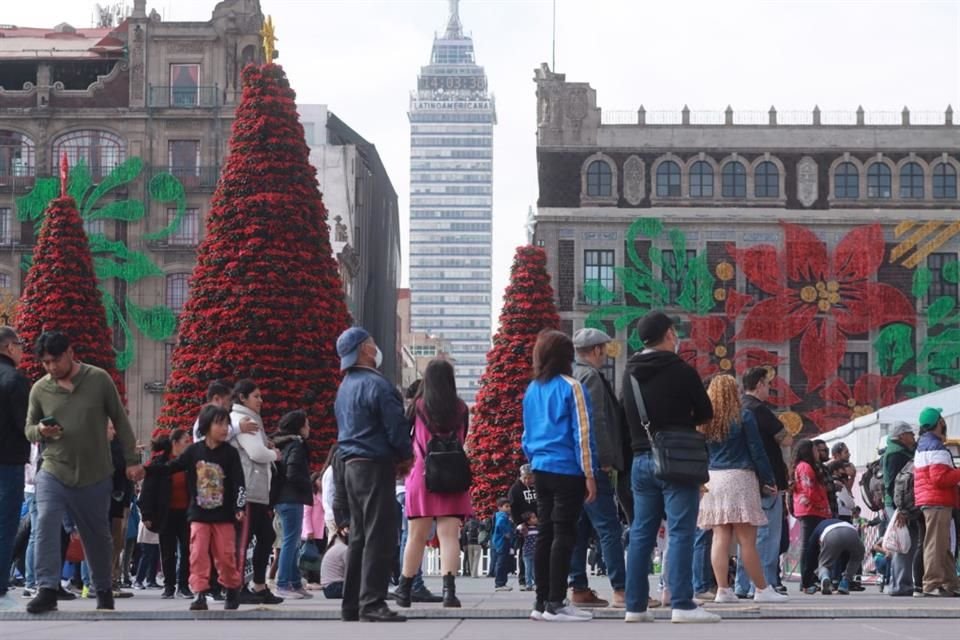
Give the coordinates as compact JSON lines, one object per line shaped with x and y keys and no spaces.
{"x":14,"y":451}
{"x":675,"y":400}
{"x":523,"y":500}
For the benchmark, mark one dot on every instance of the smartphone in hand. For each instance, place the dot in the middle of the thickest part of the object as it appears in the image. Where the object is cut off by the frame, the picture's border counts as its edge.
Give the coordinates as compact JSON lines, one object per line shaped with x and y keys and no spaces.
{"x":50,"y":421}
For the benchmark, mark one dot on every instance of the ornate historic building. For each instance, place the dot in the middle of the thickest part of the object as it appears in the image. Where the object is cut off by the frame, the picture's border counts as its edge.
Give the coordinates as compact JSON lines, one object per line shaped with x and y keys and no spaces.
{"x":822,"y":245}
{"x":146,"y":108}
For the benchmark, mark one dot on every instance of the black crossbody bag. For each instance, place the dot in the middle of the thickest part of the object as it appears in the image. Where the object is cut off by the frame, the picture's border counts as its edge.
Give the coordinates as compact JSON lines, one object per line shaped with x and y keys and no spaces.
{"x":678,"y":456}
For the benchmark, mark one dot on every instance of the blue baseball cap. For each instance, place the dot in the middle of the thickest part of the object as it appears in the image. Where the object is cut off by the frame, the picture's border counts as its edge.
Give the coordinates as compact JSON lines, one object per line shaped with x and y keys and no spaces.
{"x":348,"y":346}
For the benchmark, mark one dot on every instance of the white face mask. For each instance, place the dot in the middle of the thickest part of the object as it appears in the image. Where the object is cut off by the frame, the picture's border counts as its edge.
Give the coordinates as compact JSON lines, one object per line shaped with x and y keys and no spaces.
{"x":379,"y":358}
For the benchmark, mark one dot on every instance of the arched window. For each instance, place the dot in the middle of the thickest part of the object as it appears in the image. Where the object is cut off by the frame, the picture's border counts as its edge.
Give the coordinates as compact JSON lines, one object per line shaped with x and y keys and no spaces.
{"x":178,"y":287}
{"x":846,"y":181}
{"x":944,"y":181}
{"x":100,"y":151}
{"x":701,"y":180}
{"x":599,"y":179}
{"x":734,"y":180}
{"x":668,"y":180}
{"x":16,"y":154}
{"x":766,"y":180}
{"x":911,"y":181}
{"x":878,"y":181}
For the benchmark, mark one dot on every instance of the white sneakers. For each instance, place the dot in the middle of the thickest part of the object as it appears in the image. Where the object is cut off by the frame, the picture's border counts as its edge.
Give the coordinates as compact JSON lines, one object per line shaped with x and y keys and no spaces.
{"x":726,"y":595}
{"x":769,"y":596}
{"x":691,"y":616}
{"x":566,"y":613}
{"x":639,"y":616}
{"x":537,"y":615}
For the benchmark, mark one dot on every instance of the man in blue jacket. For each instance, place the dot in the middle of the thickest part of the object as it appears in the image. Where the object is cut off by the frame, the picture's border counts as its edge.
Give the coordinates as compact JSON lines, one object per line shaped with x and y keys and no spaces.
{"x":375,"y":448}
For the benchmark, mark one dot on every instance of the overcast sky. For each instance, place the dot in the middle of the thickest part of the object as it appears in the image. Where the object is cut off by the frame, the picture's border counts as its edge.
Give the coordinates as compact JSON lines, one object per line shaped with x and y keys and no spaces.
{"x":361,"y":57}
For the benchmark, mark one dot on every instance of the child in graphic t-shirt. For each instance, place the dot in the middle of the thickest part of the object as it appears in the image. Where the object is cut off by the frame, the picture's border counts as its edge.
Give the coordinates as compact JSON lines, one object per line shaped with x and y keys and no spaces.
{"x":216,"y":488}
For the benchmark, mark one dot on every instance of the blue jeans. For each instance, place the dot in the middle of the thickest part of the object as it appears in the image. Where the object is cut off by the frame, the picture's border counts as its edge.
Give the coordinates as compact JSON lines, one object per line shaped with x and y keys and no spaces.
{"x":768,"y":546}
{"x":11,"y":500}
{"x":147,"y":568}
{"x":288,"y":567}
{"x":503,"y":566}
{"x":529,"y":572}
{"x":601,"y":514}
{"x":29,"y":560}
{"x":654,"y":500}
{"x":703,"y":579}
{"x":418,"y":584}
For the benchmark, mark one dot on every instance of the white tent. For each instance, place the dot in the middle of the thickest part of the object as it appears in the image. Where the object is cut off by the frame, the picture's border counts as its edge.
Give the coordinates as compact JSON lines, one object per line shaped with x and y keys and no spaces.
{"x":863,"y":435}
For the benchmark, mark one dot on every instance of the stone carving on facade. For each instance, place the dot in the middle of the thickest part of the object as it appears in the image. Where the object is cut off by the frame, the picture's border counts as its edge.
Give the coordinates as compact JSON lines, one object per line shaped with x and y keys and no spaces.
{"x":137,"y":68}
{"x":577,"y":105}
{"x":549,"y":102}
{"x":187,"y":47}
{"x":634,"y":187}
{"x":807,"y":183}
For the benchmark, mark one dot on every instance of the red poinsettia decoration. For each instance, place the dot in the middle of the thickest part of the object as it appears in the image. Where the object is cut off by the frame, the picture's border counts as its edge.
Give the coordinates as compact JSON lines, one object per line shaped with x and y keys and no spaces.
{"x":825,"y":298}
{"x":709,"y":352}
{"x":869,"y":393}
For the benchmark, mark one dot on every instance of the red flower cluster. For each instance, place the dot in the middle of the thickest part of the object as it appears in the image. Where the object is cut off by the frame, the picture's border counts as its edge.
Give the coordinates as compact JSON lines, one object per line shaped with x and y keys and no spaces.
{"x":266,"y":300}
{"x":60,"y":293}
{"x":528,"y":308}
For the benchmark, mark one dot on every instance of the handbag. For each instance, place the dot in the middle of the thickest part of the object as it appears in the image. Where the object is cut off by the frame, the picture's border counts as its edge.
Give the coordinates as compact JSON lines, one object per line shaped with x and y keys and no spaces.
{"x":678,"y":456}
{"x":74,"y":550}
{"x":310,"y":558}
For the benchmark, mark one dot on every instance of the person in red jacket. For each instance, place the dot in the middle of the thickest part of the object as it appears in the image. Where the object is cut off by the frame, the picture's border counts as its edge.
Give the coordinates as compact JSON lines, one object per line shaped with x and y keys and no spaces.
{"x":936,"y":492}
{"x":810,"y":504}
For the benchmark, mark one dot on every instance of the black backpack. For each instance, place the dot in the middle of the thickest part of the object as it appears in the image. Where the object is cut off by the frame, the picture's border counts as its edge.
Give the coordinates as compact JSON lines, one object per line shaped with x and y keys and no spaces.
{"x":903,"y":497}
{"x":871,"y":485}
{"x":446,"y":467}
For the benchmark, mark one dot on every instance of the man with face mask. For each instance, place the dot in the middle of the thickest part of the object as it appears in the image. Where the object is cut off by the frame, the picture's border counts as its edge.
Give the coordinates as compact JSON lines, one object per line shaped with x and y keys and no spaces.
{"x":375,"y":449}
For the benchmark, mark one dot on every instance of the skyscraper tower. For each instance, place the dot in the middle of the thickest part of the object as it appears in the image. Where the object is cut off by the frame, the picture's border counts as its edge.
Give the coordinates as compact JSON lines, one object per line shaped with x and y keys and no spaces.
{"x":451,"y":202}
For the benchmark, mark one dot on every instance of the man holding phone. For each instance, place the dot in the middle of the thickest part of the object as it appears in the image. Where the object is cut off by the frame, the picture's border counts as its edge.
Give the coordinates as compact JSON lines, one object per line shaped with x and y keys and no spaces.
{"x":68,"y":412}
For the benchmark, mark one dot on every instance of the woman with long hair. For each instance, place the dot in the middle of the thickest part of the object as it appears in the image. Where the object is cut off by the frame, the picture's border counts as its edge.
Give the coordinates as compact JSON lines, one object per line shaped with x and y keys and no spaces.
{"x":257,"y":459}
{"x":731,"y":506}
{"x":811,"y":505}
{"x":438,"y":411}
{"x":328,"y":491}
{"x":558,"y":441}
{"x":294,"y":493}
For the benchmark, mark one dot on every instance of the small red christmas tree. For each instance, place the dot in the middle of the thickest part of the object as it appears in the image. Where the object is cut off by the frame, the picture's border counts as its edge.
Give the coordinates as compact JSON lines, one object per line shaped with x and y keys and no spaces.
{"x":60,"y":293}
{"x":528,"y":308}
{"x":266,"y":299}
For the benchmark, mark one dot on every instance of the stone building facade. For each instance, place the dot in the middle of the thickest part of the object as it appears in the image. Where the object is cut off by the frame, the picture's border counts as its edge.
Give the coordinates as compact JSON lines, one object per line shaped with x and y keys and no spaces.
{"x":821,"y":245}
{"x":141,"y":99}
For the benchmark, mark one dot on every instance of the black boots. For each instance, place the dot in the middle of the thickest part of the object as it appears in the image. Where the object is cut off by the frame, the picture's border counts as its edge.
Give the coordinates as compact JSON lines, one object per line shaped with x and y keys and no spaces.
{"x":233,"y":600}
{"x":402,"y":592}
{"x":44,"y":601}
{"x":104,"y":600}
{"x":199,"y":603}
{"x":450,"y":600}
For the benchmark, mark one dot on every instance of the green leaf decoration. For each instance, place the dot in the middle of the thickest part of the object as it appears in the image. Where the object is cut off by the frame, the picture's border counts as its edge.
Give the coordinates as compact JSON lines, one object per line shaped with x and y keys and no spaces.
{"x":647,"y":227}
{"x":894,"y":347}
{"x":115,"y":318}
{"x":678,"y":242}
{"x":165,"y":187}
{"x":634,"y":341}
{"x":922,"y":278}
{"x":951,"y":272}
{"x":696,"y":293}
{"x":31,"y":206}
{"x":126,"y":210}
{"x":922,"y":382}
{"x":595,"y":293}
{"x":953,"y":373}
{"x":129,"y":266}
{"x":121,"y":175}
{"x":79,"y":182}
{"x":940,"y":309}
{"x":157,"y":323}
{"x":940,"y":343}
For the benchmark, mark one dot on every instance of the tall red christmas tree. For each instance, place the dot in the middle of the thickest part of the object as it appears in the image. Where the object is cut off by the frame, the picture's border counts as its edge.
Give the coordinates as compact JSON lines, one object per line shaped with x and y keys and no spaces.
{"x":266,"y":299}
{"x":528,"y":308}
{"x":60,"y":292}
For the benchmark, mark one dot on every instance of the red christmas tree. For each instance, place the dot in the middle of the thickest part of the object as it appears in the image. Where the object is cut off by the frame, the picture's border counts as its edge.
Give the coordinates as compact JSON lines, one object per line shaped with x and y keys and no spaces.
{"x":528,"y":308}
{"x":266,"y":299}
{"x":60,"y":293}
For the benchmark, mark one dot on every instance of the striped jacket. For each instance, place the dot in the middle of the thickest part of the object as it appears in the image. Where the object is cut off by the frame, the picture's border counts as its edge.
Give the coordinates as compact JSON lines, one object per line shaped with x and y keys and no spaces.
{"x":557,"y":432}
{"x":935,"y":478}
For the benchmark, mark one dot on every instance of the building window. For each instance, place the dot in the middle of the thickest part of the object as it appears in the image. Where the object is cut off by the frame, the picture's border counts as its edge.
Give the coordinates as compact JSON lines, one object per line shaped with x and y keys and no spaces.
{"x":6,"y":225}
{"x":96,"y":226}
{"x":184,"y":159}
{"x":184,"y":85}
{"x":5,"y":284}
{"x":100,"y":151}
{"x":853,"y":367}
{"x":599,"y":179}
{"x":940,"y":286}
{"x":668,"y":180}
{"x":598,"y":267}
{"x":878,"y":181}
{"x":846,"y":181}
{"x":16,"y":154}
{"x":188,"y":233}
{"x":701,"y":180}
{"x":911,"y":181}
{"x":944,"y":181}
{"x":178,"y":287}
{"x":734,"y":180}
{"x":675,"y":285}
{"x":766,"y":180}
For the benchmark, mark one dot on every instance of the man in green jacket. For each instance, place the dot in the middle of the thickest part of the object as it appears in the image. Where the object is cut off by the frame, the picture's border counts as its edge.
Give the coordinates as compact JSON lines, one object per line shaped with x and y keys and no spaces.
{"x":67,"y":414}
{"x":900,"y":446}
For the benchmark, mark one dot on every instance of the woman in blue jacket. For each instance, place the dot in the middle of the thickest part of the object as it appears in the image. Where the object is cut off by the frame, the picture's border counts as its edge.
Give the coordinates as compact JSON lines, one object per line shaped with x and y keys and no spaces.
{"x":731,"y":506}
{"x":559,"y":443}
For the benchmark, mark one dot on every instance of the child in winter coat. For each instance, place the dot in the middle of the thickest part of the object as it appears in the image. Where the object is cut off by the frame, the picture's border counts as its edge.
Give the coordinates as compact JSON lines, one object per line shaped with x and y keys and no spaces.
{"x":502,"y":544}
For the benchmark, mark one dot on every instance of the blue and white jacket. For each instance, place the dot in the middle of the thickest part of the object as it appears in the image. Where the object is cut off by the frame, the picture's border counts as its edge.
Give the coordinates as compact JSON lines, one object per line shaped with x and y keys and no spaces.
{"x":557,"y":432}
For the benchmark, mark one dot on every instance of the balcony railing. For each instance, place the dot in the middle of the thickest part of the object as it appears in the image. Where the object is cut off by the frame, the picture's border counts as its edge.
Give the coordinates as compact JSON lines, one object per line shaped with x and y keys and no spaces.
{"x":184,"y":97}
{"x":193,"y":178}
{"x":20,"y":183}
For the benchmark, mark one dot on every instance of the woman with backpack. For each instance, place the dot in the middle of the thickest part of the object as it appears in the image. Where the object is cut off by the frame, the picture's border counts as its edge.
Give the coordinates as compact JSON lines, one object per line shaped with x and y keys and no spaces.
{"x":293,"y":492}
{"x":439,"y":417}
{"x":811,"y":506}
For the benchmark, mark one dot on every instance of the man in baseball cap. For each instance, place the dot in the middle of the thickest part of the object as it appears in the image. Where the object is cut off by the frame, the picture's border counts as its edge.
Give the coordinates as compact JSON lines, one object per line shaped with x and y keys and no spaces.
{"x":897,"y":452}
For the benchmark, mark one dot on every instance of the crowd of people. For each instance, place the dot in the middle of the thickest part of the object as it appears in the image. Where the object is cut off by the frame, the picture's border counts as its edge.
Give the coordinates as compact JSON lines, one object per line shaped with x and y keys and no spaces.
{"x":230,"y":511}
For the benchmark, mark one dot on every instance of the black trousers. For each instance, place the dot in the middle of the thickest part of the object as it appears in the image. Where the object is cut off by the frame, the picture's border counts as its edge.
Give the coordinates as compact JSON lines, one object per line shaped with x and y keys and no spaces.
{"x":373,"y":533}
{"x":260,"y":527}
{"x":808,"y":566}
{"x":559,"y":504}
{"x":175,"y":538}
